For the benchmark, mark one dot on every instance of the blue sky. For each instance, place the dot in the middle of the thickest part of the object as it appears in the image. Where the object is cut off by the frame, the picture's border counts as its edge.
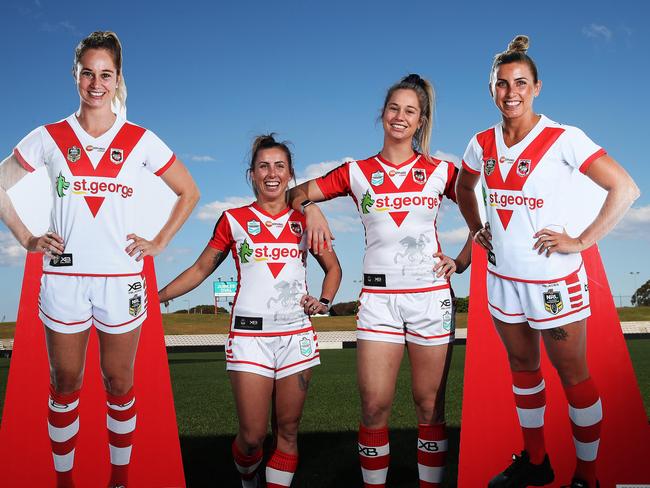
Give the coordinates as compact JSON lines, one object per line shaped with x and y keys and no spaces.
{"x":209,"y":76}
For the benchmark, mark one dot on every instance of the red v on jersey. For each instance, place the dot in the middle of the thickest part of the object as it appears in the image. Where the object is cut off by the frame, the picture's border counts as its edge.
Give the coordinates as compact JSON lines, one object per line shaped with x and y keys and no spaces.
{"x":381,"y":182}
{"x":520,"y":170}
{"x":259,"y":231}
{"x":109,"y":165}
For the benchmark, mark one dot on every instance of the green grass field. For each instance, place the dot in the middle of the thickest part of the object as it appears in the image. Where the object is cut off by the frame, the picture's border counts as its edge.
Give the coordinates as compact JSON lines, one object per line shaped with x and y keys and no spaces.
{"x":180,"y":323}
{"x":207,"y":422}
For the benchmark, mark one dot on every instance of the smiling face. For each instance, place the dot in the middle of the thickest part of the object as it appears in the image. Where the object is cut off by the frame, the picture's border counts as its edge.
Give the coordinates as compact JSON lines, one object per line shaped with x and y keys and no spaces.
{"x":513,"y":89}
{"x":401,"y":117}
{"x":97,"y":78}
{"x":271,"y":174}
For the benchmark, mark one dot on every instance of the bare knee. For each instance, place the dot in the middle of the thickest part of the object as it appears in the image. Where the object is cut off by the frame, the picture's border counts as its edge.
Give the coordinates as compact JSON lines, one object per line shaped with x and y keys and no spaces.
{"x":523,"y":362}
{"x":65,"y":380}
{"x":430,"y":409}
{"x":374,"y":413}
{"x":288,"y":434}
{"x":118,"y":382}
{"x":250,"y":440}
{"x":571,"y":370}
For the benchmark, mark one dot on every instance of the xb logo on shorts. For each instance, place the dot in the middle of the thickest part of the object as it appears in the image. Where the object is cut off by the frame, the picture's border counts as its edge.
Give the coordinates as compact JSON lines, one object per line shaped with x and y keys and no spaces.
{"x":135,"y":305}
{"x":553,"y":301}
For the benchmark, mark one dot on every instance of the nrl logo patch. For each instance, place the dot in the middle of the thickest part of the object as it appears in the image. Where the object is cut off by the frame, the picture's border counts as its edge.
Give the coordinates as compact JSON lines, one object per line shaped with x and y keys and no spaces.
{"x":135,"y":305}
{"x":419,"y":176}
{"x":523,"y":167}
{"x":305,"y":347}
{"x":489,"y":166}
{"x":553,"y":301}
{"x":377,"y":178}
{"x":253,"y":227}
{"x":295,"y":228}
{"x":74,"y":154}
{"x":117,"y":156}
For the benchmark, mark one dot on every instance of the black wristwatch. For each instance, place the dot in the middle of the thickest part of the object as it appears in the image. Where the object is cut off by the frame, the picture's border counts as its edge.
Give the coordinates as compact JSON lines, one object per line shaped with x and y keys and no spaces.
{"x":325,"y":302}
{"x":305,"y":204}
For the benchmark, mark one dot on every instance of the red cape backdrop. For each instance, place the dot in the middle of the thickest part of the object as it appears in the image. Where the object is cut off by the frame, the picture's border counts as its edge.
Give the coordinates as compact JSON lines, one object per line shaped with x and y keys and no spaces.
{"x":25,"y":455}
{"x":490,"y":429}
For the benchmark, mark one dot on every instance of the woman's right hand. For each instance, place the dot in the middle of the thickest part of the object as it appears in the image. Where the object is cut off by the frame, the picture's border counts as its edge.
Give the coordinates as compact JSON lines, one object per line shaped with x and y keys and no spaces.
{"x":319,"y":236}
{"x":483,"y":237}
{"x":51,"y":244}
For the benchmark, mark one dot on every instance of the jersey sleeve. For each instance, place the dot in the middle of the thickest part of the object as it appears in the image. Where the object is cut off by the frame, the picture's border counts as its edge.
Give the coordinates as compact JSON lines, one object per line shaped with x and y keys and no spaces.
{"x":336,"y":183}
{"x":30,"y":151}
{"x":222,"y":237}
{"x":159,"y":156}
{"x":578,"y":150}
{"x":450,"y":187}
{"x":472,"y":159}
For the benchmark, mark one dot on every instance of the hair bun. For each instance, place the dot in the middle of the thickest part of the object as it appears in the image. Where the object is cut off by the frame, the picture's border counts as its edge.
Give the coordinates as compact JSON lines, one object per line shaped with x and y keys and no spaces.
{"x":412,"y":78}
{"x":518,"y":44}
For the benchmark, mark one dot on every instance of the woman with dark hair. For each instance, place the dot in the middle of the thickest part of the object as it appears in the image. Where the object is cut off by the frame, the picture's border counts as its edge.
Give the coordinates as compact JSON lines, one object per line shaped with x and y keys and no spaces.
{"x":92,"y":263}
{"x":406,"y":297}
{"x":536,"y":282}
{"x":272,"y":345}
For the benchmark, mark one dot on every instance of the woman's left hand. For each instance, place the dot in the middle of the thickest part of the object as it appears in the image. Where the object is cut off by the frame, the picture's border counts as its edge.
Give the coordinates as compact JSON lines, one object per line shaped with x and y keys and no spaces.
{"x":550,"y":241}
{"x":142,"y":247}
{"x":312,"y":306}
{"x":445,"y":267}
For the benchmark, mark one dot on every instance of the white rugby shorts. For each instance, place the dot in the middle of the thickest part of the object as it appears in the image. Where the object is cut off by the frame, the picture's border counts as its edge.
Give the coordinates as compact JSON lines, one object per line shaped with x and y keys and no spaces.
{"x":274,"y":356}
{"x":542,"y":305}
{"x":424,"y":318}
{"x":71,"y":304}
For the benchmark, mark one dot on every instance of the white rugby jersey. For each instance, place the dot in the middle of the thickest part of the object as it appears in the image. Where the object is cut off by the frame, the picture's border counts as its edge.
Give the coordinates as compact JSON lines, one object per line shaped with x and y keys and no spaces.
{"x":94,"y":180}
{"x":398,"y":205}
{"x":270,"y":253}
{"x":526,"y":188}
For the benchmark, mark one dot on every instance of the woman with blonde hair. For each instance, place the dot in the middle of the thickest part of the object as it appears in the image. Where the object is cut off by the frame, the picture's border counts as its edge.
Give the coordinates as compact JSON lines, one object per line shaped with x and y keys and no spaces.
{"x":406,"y":296}
{"x":92,"y":259}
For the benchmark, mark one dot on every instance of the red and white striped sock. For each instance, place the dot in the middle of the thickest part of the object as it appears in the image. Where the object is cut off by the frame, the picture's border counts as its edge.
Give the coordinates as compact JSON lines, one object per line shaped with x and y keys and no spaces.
{"x":120,"y":420}
{"x":374,"y":455}
{"x":530,"y":399}
{"x":432,"y":454}
{"x":586,"y":413}
{"x":280,"y":469}
{"x":63,"y":426}
{"x":247,"y":466}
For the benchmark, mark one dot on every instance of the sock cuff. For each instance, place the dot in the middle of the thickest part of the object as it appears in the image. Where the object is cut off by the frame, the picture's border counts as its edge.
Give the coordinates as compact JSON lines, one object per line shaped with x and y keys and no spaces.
{"x":432,"y":432}
{"x":120,"y":399}
{"x":243,"y":459}
{"x":527,"y":379}
{"x":64,"y":398}
{"x":583,"y":394}
{"x":283,"y":462}
{"x":373,"y":437}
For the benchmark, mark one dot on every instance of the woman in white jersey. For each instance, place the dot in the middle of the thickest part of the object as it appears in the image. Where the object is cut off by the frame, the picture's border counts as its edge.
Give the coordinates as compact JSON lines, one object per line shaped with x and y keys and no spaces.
{"x":406,"y":297}
{"x":272,"y":345}
{"x":537,"y":285}
{"x":92,"y":266}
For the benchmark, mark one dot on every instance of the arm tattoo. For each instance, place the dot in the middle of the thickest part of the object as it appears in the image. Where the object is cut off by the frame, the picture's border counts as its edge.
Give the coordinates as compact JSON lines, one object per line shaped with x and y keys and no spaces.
{"x":218,"y":259}
{"x":558,"y":334}
{"x":303,"y":381}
